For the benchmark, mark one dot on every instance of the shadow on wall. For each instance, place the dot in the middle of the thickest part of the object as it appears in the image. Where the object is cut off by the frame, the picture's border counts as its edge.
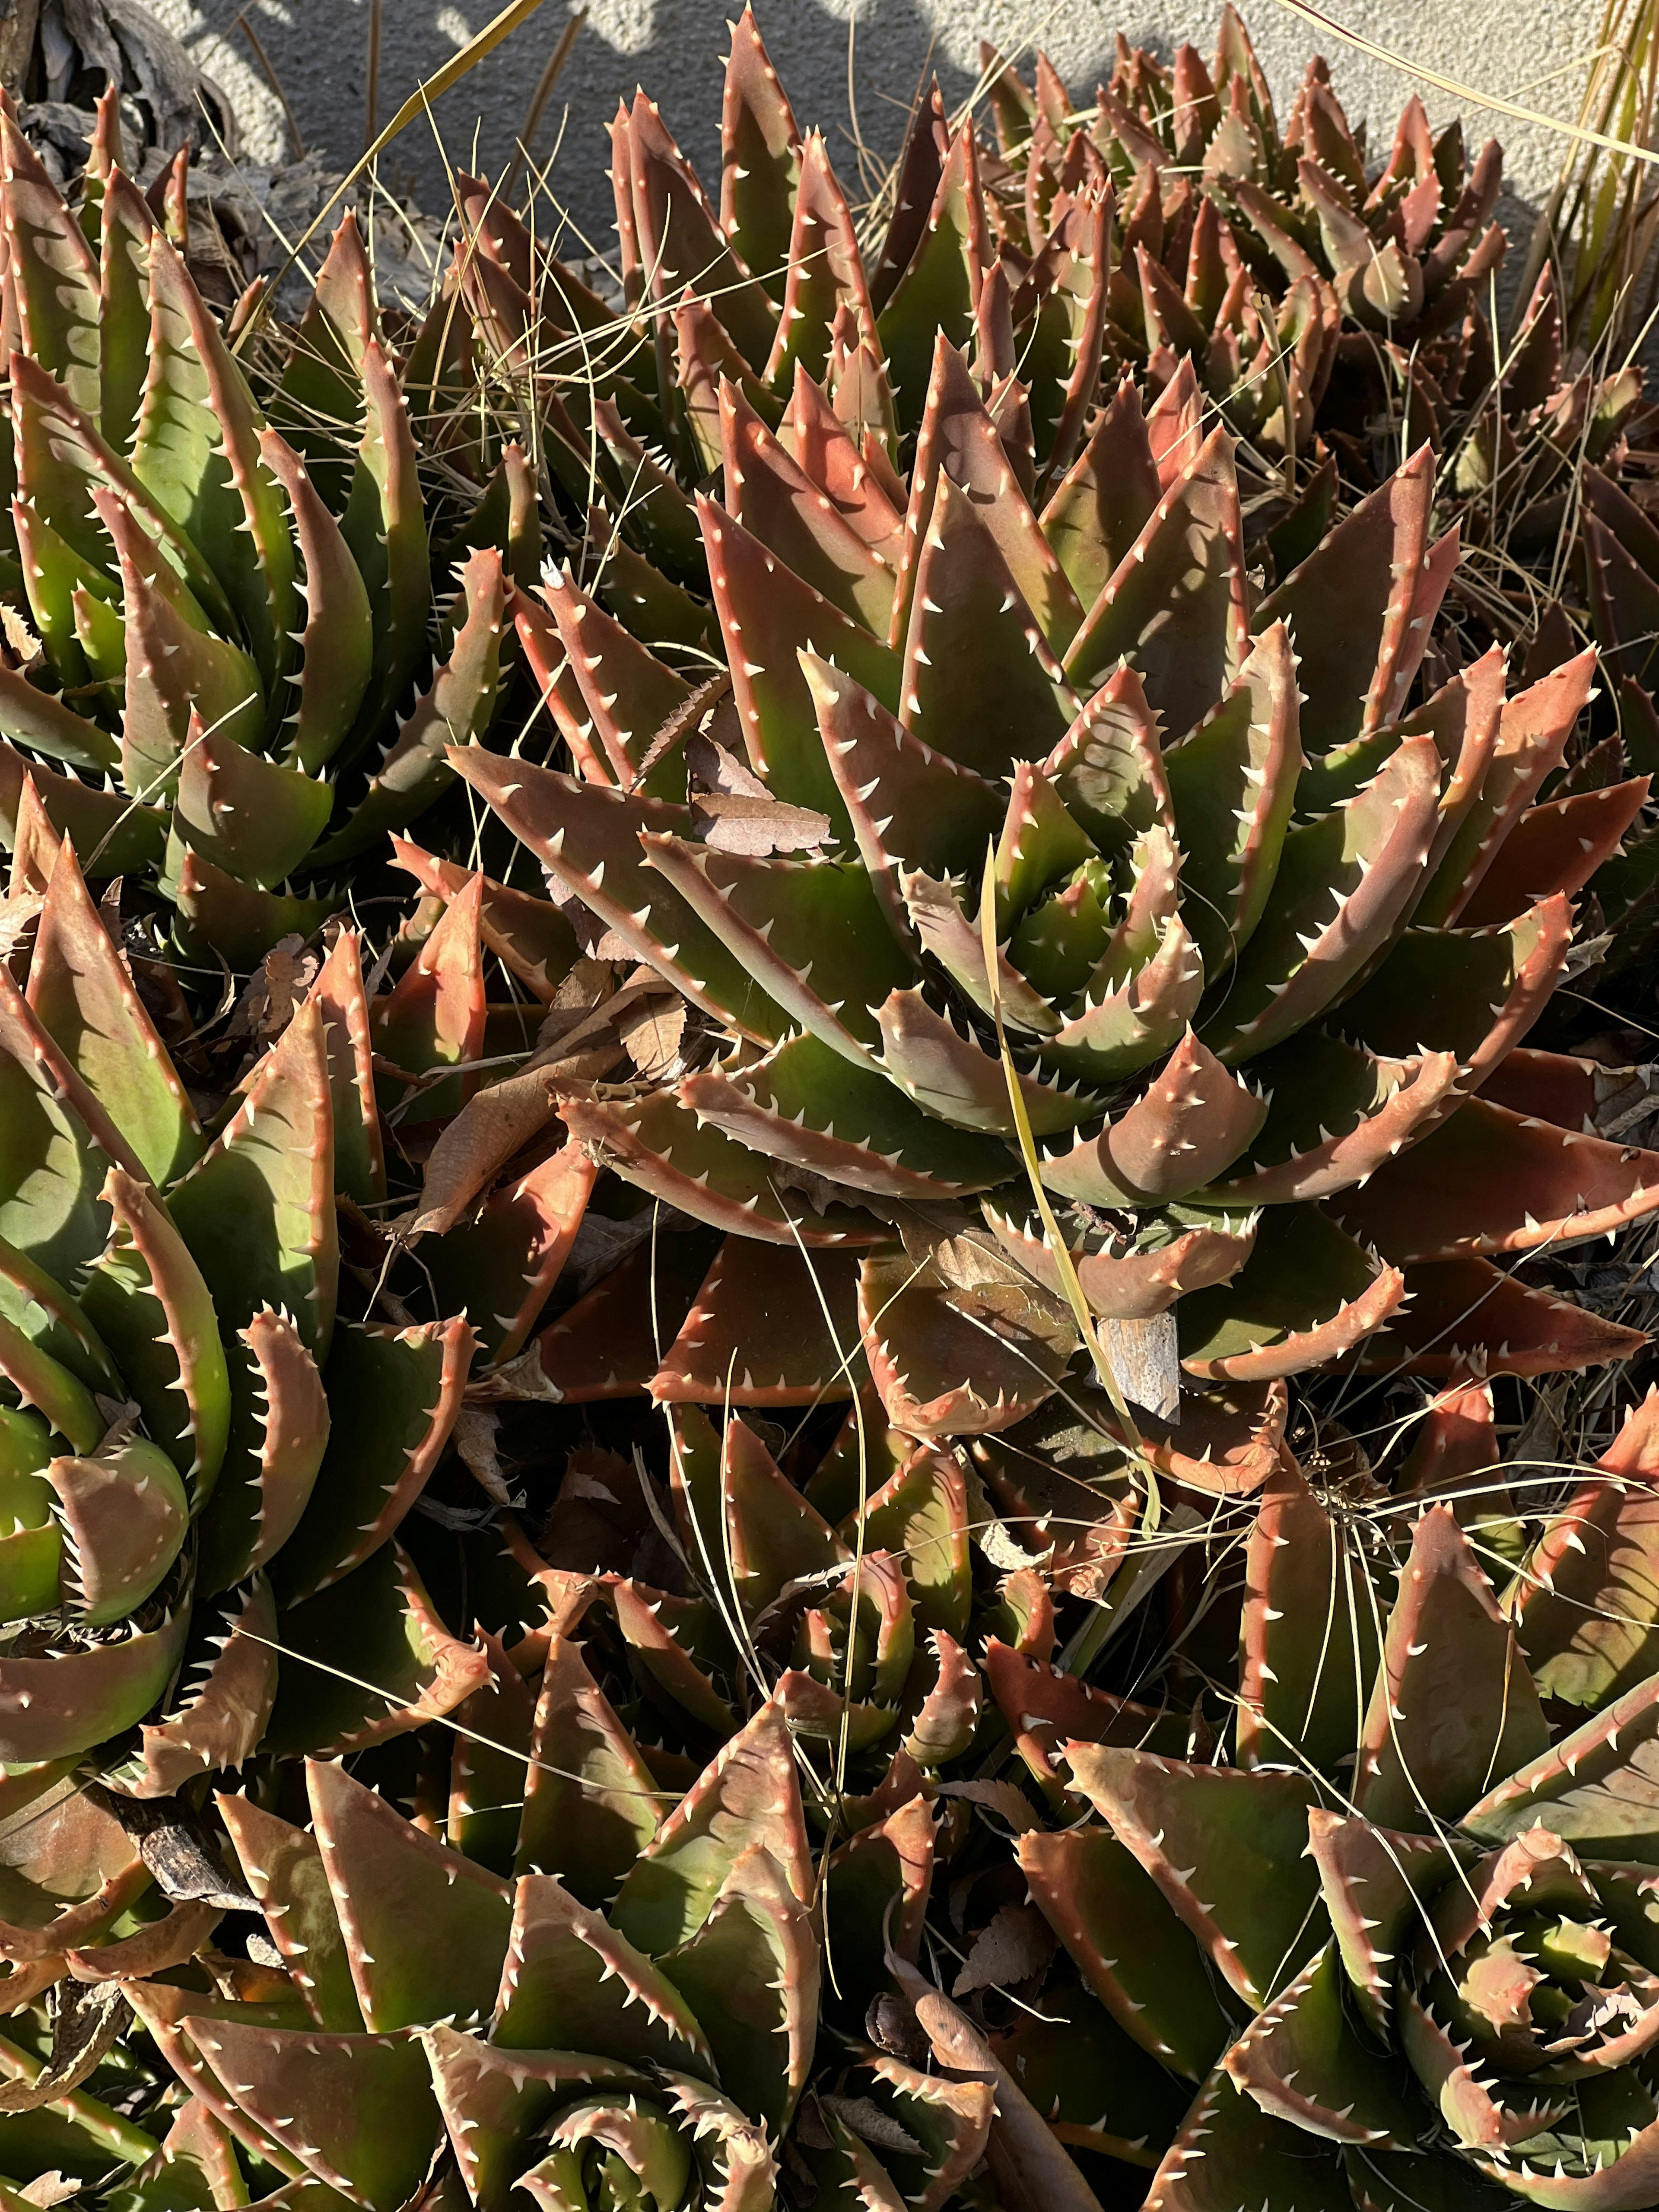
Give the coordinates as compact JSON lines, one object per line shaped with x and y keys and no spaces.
{"x":852,"y":66}
{"x":675,"y":48}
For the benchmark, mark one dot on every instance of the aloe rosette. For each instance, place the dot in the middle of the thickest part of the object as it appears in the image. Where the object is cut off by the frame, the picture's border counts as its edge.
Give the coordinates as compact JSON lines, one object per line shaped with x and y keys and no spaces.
{"x":1404,"y":1944}
{"x":204,"y":1460}
{"x":232,"y":686}
{"x":603,"y":1992}
{"x":1263,"y":926}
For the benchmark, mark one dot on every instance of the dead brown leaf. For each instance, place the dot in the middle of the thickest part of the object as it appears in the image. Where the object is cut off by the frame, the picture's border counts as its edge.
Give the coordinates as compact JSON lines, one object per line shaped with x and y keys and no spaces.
{"x":1019,"y":1943}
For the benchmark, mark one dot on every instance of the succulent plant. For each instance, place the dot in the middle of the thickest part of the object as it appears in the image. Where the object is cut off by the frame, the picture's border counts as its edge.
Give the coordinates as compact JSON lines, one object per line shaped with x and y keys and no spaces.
{"x":202,"y":1459}
{"x":225,"y":676}
{"x":1406,"y":1943}
{"x":1312,"y":296}
{"x":620,"y":2008}
{"x":1262,"y":925}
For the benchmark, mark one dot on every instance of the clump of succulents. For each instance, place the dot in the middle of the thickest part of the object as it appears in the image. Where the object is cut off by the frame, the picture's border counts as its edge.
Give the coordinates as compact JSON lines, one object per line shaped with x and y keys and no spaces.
{"x":226,"y":669}
{"x":204,"y":1460}
{"x":1404,"y":1940}
{"x":1313,"y":295}
{"x":1027,"y":846}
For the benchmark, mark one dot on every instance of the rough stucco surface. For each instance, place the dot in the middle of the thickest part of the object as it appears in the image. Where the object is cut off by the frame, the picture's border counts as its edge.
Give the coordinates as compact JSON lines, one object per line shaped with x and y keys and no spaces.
{"x":1532,"y":51}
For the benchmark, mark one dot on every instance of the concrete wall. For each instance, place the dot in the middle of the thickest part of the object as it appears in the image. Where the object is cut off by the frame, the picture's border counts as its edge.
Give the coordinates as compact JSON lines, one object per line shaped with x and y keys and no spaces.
{"x":1533,"y":51}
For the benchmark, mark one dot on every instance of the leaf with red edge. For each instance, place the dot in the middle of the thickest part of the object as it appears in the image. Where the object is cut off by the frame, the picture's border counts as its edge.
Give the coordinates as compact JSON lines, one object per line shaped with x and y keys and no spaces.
{"x":359,"y":1158}
{"x":1587,"y":1611}
{"x":657,"y":1144}
{"x":55,"y":1707}
{"x":117,"y":835}
{"x":272,"y":1164}
{"x":1373,"y":1881}
{"x":948,"y":1072}
{"x":749,"y":1795}
{"x":1454,"y":1704}
{"x":1105,"y":500}
{"x":123,"y":1513}
{"x":1131,"y":1283}
{"x":366,"y":1659}
{"x":1490,"y":1181}
{"x":570,"y":1976}
{"x":785,"y":1334}
{"x":1303,"y":2062}
{"x":767,"y":1536}
{"x":760,"y":157}
{"x":939,"y":285}
{"x":1475,"y":993}
{"x":825,"y":275}
{"x":500,"y":1266}
{"x":1555,"y":847}
{"x":279,"y":1431}
{"x":811,"y":932}
{"x":216,"y":1722}
{"x":920,"y":1514}
{"x":751,"y":1974}
{"x":1046,"y":1708}
{"x":489,"y":1764}
{"x":908,"y":805}
{"x":196,"y":449}
{"x":629,"y":693}
{"x":958,"y":442}
{"x":1175,"y":604}
{"x":455,"y":708}
{"x":947,"y":1719}
{"x":1307,"y":1294}
{"x":433,"y":1015}
{"x":393,"y":1397}
{"x":1342,"y":889}
{"x":1232,"y":785}
{"x":1465,"y":1314}
{"x":591,"y":1804}
{"x":889,"y":1864}
{"x":679,"y":240}
{"x":337,"y":647}
{"x":1340,"y":1116}
{"x":587,"y":838}
{"x":865,"y":494}
{"x":81,"y":993}
{"x":769,"y":496}
{"x":284,"y":1867}
{"x":1228,"y":1850}
{"x":495,"y":2102}
{"x":383,"y":523}
{"x":1532,"y":738}
{"x":256,"y":819}
{"x":1191,"y":1122}
{"x":610,"y":1343}
{"x":147,"y":1298}
{"x":947,"y":1363}
{"x":1142,"y":1963}
{"x":357,"y":2111}
{"x":928,"y":142}
{"x":54,"y":276}
{"x":1232,"y":2153}
{"x":706,"y":355}
{"x":1351,"y":604}
{"x":528,"y":935}
{"x":768,"y":615}
{"x":980,"y":684}
{"x":1308,"y":1637}
{"x":425,"y":1930}
{"x":803,"y":1103}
